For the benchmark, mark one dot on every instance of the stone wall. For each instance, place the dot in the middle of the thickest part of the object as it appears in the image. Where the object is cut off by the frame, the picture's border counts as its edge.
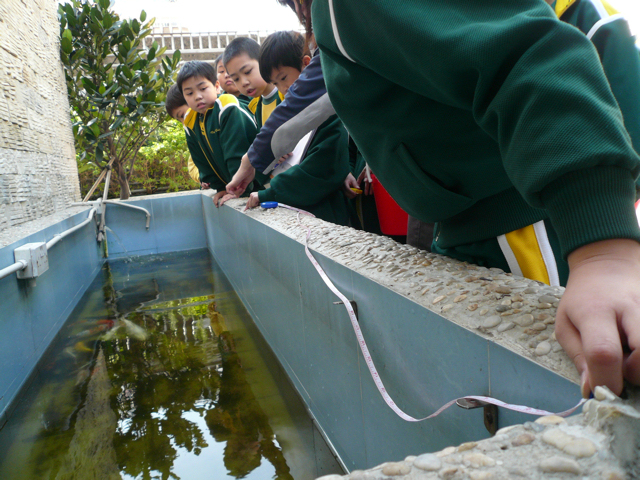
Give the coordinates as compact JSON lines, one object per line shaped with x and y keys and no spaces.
{"x":38,"y":172}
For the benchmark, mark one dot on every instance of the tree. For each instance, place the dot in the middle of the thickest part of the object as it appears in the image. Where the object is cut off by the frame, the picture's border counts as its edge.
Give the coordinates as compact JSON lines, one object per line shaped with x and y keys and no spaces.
{"x":116,"y":88}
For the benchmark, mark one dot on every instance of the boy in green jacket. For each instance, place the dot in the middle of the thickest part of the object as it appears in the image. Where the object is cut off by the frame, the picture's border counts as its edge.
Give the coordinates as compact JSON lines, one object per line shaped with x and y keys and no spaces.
{"x":240,"y":58}
{"x":315,"y":184}
{"x":219,"y":130}
{"x":501,"y":119}
{"x":609,"y":32}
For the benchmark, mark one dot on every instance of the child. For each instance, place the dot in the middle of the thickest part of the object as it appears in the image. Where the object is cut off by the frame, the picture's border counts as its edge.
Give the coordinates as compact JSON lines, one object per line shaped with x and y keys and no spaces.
{"x":501,"y":121}
{"x":228,"y":86}
{"x":315,"y":183}
{"x":240,"y":58}
{"x":219,"y":130}
{"x":177,"y":109}
{"x":609,"y":32}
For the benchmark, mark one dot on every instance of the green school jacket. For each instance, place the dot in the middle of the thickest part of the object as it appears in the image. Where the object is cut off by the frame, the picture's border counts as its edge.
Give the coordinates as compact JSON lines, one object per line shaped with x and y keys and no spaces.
{"x":483,"y":116}
{"x":218,"y":139}
{"x":315,"y":184}
{"x":610,"y":34}
{"x":255,"y":106}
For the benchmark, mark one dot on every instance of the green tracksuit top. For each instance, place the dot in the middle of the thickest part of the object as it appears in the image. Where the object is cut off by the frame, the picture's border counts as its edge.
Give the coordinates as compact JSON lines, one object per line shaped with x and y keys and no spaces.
{"x":255,"y":106}
{"x":620,"y":57}
{"x":218,"y":139}
{"x":484,"y":116}
{"x":315,"y":184}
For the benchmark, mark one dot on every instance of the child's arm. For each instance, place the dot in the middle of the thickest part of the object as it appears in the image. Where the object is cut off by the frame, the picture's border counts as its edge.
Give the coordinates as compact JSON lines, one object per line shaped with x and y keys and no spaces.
{"x":321,"y":172}
{"x":237,"y":132}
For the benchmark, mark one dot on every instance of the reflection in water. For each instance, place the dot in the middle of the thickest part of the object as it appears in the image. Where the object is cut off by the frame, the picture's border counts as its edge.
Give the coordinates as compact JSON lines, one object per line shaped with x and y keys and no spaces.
{"x":147,"y":382}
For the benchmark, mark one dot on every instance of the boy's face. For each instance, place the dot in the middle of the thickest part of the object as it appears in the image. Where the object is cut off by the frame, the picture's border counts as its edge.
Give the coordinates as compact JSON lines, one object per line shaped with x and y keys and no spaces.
{"x":225,"y":80}
{"x":283,"y":78}
{"x":199,"y":93}
{"x":179,"y":113}
{"x":245,"y":72}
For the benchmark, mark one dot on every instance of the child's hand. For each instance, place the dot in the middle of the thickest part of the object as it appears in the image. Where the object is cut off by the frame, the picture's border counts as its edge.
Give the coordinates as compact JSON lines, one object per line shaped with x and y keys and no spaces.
{"x":367,"y":188}
{"x":226,"y":197}
{"x":243,"y":177}
{"x":283,"y":158}
{"x":253,"y":201}
{"x":598,"y":319}
{"x":218,"y":196}
{"x":350,"y":182}
{"x":204,"y":186}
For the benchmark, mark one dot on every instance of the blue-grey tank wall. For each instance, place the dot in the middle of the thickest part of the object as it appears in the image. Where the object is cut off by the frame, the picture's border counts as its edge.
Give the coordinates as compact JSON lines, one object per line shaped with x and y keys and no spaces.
{"x":32,"y":315}
{"x":423,"y":359}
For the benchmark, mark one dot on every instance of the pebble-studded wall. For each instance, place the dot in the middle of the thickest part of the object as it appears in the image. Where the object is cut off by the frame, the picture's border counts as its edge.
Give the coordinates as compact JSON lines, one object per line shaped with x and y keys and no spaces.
{"x":38,"y":171}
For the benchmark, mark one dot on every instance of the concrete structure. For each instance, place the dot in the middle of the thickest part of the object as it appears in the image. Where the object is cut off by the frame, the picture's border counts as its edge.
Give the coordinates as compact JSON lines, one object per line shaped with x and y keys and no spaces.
{"x":38,"y":171}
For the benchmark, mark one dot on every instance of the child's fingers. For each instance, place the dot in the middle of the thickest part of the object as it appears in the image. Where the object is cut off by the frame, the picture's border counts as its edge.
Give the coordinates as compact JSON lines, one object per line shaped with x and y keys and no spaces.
{"x":631,"y":364}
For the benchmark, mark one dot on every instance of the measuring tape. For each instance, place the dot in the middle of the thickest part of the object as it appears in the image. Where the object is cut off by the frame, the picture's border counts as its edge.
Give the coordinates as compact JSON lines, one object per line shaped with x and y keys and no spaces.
{"x":369,"y":361}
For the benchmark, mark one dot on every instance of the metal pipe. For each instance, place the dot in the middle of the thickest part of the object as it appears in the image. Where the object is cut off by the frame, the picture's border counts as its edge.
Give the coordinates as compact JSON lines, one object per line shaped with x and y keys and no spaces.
{"x":122,"y":204}
{"x":19,"y":265}
{"x":56,"y":238}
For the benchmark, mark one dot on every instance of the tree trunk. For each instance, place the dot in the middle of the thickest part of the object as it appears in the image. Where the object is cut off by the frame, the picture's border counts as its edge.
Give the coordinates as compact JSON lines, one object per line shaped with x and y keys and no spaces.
{"x":120,"y":172}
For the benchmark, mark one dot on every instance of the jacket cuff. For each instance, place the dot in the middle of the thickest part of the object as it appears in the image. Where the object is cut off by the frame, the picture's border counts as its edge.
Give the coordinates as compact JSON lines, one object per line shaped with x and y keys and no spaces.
{"x":590,"y":205}
{"x":267,"y":195}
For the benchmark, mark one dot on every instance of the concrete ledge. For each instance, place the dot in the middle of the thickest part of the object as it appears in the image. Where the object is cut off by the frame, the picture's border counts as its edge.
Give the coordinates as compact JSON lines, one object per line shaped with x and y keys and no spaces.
{"x":432,"y":325}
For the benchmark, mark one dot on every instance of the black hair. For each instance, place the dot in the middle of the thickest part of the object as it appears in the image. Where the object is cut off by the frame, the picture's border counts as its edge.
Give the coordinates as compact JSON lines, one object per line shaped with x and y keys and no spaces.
{"x":174,"y":100}
{"x":303,"y":14}
{"x":195,"y":68}
{"x":217,"y":61}
{"x":238,"y":46}
{"x":281,"y":49}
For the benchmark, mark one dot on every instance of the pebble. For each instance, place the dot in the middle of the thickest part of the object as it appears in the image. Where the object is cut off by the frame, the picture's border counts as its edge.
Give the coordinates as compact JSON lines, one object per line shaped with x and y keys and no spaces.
{"x":523,"y":439}
{"x":446,"y":451}
{"x":481,"y":475}
{"x":503,"y":289}
{"x":547,"y":299}
{"x":524,"y":320}
{"x":459,"y":298}
{"x":467,"y":446}
{"x":538,"y":326}
{"x":448,"y":472}
{"x":550,"y":420}
{"x":506,"y":326}
{"x":543,"y":306}
{"x":439,"y":299}
{"x":580,"y":447}
{"x":492,"y":321}
{"x":543,"y":348}
{"x":536,"y":427}
{"x":560,"y":465}
{"x":428,"y":462}
{"x":557,"y":438}
{"x":477,"y":460}
{"x":394,"y":469}
{"x":502,"y":308}
{"x":531,"y":290}
{"x":447,"y":307}
{"x":484,"y":311}
{"x":472,"y":307}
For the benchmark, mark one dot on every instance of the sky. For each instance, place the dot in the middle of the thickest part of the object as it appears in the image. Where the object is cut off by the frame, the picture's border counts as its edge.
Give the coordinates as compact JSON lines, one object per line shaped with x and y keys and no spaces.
{"x":266,"y":15}
{"x":239,"y":16}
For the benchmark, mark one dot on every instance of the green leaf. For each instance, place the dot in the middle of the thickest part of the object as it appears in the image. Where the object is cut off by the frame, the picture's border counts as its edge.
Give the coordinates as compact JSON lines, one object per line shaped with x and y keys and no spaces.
{"x":67,"y":34}
{"x":135,"y":25}
{"x":143,"y":16}
{"x":176,"y":57}
{"x":66,"y":46}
